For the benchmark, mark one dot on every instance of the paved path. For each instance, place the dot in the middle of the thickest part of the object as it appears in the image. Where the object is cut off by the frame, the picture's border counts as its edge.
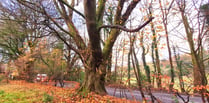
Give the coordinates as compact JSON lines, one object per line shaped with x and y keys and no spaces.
{"x":164,"y":97}
{"x":135,"y":95}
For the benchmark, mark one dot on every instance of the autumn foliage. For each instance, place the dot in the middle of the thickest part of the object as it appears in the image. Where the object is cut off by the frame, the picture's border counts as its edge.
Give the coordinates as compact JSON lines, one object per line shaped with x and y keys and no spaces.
{"x":42,"y":92}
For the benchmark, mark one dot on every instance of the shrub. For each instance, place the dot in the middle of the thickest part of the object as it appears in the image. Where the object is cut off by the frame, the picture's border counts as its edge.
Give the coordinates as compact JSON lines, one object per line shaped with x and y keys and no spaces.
{"x":2,"y":78}
{"x":1,"y":92}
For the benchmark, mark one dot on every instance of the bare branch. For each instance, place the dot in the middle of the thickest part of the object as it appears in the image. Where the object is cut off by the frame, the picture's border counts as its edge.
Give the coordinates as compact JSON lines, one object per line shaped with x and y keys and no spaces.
{"x":52,"y":19}
{"x":129,"y":9}
{"x":68,"y":45}
{"x":72,"y":8}
{"x":205,"y":59}
{"x":126,"y":29}
{"x":117,"y":16}
{"x":39,"y":36}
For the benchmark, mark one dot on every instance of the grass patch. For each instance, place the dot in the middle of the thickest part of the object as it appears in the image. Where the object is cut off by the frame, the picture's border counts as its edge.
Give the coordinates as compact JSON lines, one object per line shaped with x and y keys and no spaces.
{"x":22,"y":92}
{"x":18,"y":94}
{"x":47,"y":98}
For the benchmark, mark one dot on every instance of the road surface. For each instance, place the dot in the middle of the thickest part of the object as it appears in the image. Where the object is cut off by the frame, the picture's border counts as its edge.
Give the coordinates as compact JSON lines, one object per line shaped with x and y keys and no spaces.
{"x":135,"y":95}
{"x":164,"y":97}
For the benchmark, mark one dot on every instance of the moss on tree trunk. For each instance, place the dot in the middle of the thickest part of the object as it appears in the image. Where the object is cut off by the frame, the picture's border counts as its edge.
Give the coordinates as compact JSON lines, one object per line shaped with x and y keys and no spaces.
{"x":94,"y":81}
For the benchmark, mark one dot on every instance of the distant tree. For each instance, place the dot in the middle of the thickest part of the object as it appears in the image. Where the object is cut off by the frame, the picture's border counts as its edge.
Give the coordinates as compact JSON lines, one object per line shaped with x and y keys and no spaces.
{"x":180,"y":71}
{"x":155,"y":50}
{"x":136,"y":67}
{"x":165,"y":9}
{"x":11,"y":40}
{"x":144,"y":52}
{"x":204,"y":9}
{"x":18,"y":36}
{"x":196,"y":51}
{"x":57,"y":69}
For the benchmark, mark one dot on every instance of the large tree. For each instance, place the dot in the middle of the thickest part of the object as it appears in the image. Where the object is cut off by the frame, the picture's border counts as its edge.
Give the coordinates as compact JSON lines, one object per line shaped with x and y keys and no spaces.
{"x":93,"y":56}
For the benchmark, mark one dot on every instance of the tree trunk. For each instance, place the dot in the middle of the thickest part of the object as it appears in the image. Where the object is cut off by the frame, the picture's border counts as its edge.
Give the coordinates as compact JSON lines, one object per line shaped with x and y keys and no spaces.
{"x":95,"y":68}
{"x":116,"y":63}
{"x":157,"y":60}
{"x":30,"y":71}
{"x":170,"y":56}
{"x":62,"y":84}
{"x":146,"y":67}
{"x":198,"y":65}
{"x":179,"y":66}
{"x":121,"y":70}
{"x":94,"y":81}
{"x":198,"y":70}
{"x":137,"y":74}
{"x":165,"y":23}
{"x":154,"y":66}
{"x":147,"y":70}
{"x":109,"y":66}
{"x":159,"y":84}
{"x":129,"y":68}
